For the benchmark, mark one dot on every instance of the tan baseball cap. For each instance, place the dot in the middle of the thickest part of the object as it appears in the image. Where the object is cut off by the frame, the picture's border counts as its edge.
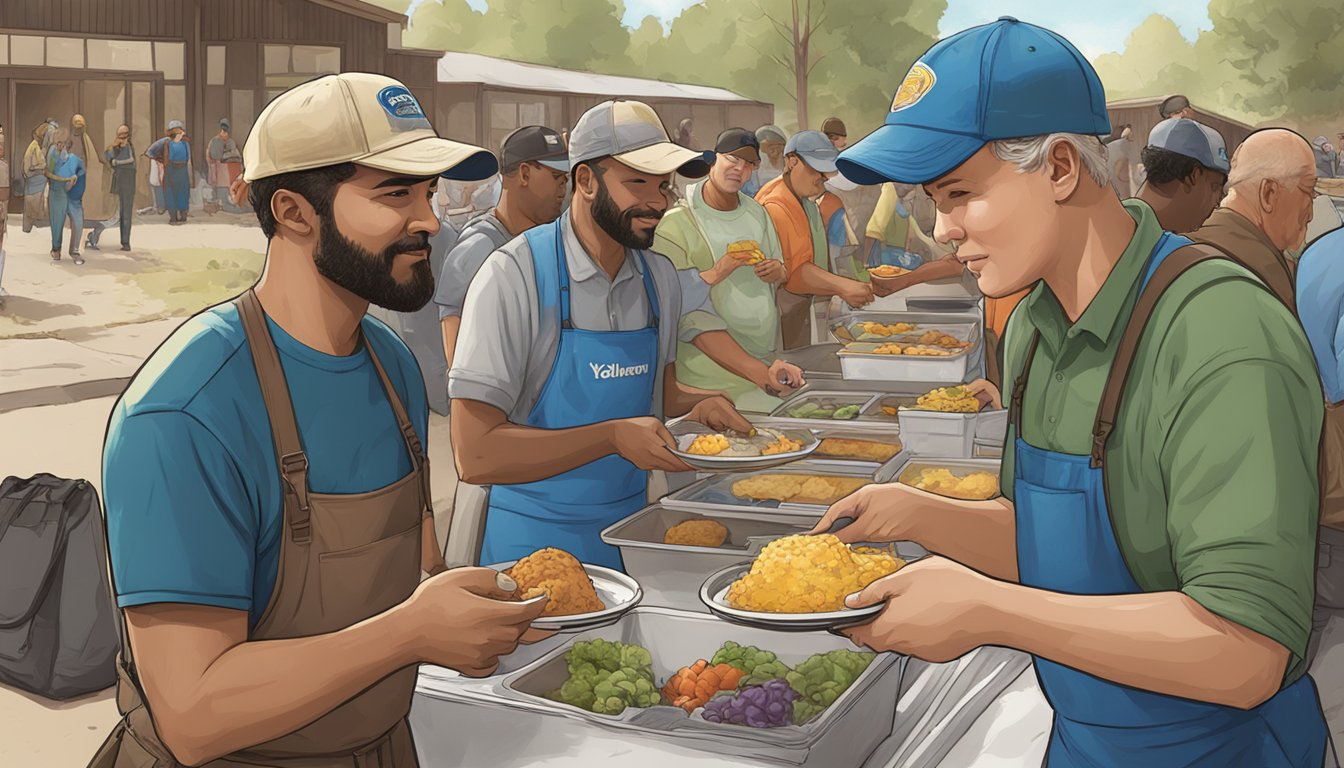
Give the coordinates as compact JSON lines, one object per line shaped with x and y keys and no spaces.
{"x":631,"y":133}
{"x":356,"y":117}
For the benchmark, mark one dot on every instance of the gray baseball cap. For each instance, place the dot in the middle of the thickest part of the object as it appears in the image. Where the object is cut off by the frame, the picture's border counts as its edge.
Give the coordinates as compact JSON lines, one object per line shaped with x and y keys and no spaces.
{"x":815,"y":149}
{"x":631,"y":133}
{"x":771,"y":133}
{"x":1194,"y":140}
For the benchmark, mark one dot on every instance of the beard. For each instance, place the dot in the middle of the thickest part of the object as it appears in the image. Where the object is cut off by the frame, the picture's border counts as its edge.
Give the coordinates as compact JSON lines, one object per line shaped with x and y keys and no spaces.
{"x":369,"y":276}
{"x":618,"y":224}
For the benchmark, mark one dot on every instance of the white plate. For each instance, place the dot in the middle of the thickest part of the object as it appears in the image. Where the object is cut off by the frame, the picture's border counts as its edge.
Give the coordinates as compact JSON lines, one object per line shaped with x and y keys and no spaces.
{"x":617,"y":591}
{"x":714,"y":594}
{"x":685,"y":433}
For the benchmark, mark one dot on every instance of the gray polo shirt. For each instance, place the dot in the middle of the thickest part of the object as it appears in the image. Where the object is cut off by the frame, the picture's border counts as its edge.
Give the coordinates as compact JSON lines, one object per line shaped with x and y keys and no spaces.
{"x":481,"y":237}
{"x":506,"y":348}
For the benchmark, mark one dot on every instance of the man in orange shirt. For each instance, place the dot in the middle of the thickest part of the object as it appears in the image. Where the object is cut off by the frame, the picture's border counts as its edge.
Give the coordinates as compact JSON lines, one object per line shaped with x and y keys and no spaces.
{"x":809,"y":159}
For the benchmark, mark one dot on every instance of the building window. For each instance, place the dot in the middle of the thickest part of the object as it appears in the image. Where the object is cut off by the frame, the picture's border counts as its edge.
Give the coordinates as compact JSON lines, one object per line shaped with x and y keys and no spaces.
{"x":4,"y":49}
{"x":175,"y":102}
{"x":27,"y":51}
{"x":287,"y":66}
{"x":169,"y":59}
{"x":214,"y":64}
{"x":65,"y":52}
{"x":134,"y":55}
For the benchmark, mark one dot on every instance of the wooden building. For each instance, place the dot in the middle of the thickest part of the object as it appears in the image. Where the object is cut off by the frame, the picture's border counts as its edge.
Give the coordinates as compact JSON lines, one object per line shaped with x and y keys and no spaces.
{"x":480,"y":99}
{"x":146,"y":62}
{"x":1143,"y":114}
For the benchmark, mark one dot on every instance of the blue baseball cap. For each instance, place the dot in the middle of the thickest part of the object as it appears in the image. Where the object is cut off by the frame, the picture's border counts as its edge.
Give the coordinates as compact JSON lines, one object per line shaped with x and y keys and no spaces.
{"x":1194,"y":140}
{"x":1004,"y":80}
{"x":815,"y":149}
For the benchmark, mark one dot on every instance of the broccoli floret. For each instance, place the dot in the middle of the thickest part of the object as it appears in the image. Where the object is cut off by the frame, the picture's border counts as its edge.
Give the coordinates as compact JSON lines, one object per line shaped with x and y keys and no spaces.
{"x":821,"y":679}
{"x":607,"y":677}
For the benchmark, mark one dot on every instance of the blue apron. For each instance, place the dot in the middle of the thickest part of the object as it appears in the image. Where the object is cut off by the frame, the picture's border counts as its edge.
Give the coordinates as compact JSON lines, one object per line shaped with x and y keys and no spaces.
{"x":1066,"y":543}
{"x":597,"y":376}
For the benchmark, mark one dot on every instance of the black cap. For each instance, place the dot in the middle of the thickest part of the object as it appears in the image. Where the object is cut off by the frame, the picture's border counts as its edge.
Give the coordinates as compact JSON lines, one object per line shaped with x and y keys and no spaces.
{"x":734,"y":139}
{"x":534,"y":144}
{"x":1173,"y":104}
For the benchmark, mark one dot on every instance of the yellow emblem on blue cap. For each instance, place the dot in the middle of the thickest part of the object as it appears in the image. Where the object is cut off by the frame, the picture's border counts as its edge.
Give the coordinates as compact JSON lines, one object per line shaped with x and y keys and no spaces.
{"x":918,"y":82}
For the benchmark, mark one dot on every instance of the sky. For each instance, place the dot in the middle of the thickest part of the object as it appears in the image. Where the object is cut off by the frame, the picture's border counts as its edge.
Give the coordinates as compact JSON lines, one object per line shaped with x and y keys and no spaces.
{"x":1093,"y":33}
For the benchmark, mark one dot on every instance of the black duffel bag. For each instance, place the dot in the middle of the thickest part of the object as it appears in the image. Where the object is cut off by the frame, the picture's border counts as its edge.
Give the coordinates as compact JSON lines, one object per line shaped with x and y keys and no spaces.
{"x":58,"y":624}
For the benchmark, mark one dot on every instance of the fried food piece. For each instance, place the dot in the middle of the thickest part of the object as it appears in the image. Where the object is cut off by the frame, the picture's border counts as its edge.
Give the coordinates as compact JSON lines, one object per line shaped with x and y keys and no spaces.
{"x":887,"y":271}
{"x":748,"y":246}
{"x":708,"y":445}
{"x":808,"y":574}
{"x":863,"y":450}
{"x":878,"y":329}
{"x":560,"y":575}
{"x":939,"y":339}
{"x":920,"y":350}
{"x":976,"y":486}
{"x":889,"y":349}
{"x":696,"y":533}
{"x":949,"y":400}
{"x":783,"y":445}
{"x":802,"y":489}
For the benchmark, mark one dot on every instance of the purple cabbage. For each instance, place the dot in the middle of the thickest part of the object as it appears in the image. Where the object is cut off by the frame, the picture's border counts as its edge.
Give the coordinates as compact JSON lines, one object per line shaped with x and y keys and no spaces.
{"x":768,"y":705}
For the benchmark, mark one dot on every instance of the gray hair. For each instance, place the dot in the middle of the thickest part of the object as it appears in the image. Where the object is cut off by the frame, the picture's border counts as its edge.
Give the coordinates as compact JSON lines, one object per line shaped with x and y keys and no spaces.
{"x":1029,"y":154}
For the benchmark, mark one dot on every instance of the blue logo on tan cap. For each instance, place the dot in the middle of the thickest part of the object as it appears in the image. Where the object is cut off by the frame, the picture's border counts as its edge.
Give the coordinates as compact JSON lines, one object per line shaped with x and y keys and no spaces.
{"x":403,"y":111}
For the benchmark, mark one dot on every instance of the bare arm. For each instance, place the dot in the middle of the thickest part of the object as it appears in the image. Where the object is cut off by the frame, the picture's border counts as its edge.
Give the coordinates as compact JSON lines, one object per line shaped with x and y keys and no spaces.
{"x":811,"y":280}
{"x":713,"y":409}
{"x":723,"y":349}
{"x":451,"y":325}
{"x":491,"y":449}
{"x":1158,"y":641}
{"x":213,"y":693}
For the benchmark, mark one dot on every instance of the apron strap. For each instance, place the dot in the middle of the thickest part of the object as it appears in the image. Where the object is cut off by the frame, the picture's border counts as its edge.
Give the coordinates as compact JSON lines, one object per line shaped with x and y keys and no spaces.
{"x":419,"y":458}
{"x":280,"y":412}
{"x":1159,"y":278}
{"x":1020,"y":384}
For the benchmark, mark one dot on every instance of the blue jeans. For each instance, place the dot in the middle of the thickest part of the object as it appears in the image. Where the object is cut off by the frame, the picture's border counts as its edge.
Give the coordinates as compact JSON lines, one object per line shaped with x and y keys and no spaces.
{"x":159,"y":203}
{"x":75,"y":210}
{"x":58,"y":206}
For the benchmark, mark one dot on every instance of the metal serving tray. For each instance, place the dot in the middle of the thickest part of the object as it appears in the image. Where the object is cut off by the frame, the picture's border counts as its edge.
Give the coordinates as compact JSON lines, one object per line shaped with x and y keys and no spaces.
{"x":938,"y":433}
{"x":958,"y":466}
{"x":846,"y":733}
{"x":827,"y":399}
{"x":874,"y":410}
{"x":715,"y":492}
{"x":671,"y":574}
{"x":961,"y":326}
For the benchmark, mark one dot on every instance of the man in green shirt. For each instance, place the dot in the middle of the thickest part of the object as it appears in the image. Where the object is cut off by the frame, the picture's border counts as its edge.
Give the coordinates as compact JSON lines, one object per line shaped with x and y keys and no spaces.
{"x":696,"y":235}
{"x":1153,"y":552}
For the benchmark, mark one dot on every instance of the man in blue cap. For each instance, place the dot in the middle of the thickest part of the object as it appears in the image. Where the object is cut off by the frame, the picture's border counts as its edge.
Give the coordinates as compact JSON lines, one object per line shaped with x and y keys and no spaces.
{"x":1187,"y":168}
{"x":1155,"y":542}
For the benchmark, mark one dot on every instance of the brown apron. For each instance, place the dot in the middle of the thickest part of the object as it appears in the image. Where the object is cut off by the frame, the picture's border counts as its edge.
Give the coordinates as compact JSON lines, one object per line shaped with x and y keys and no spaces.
{"x":1332,"y":467}
{"x":795,"y":319}
{"x":343,"y":559}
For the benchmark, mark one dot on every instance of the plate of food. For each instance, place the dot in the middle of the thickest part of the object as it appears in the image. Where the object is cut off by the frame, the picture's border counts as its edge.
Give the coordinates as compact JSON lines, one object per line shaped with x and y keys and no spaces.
{"x":762,"y":448}
{"x":799,"y":584}
{"x":581,"y":595}
{"x":956,"y":399}
{"x":886,"y":273}
{"x":749,"y":247}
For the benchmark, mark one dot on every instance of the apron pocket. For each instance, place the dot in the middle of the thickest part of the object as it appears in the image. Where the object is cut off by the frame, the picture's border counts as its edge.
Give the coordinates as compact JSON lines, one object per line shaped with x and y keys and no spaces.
{"x":363,"y":581}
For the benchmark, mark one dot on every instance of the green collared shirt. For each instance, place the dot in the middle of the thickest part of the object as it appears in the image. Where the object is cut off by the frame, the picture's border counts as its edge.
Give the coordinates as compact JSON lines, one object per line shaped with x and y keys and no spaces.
{"x":1212,"y":465}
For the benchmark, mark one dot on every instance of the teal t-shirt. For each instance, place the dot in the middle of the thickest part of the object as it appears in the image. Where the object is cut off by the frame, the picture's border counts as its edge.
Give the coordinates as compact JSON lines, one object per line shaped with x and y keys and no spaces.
{"x":190,"y":481}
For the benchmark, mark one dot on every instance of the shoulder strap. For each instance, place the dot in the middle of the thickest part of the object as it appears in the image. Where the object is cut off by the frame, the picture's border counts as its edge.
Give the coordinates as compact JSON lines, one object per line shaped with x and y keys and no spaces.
{"x":280,"y":412}
{"x":1020,"y":383}
{"x":1165,"y":273}
{"x":419,"y":458}
{"x":542,"y":242}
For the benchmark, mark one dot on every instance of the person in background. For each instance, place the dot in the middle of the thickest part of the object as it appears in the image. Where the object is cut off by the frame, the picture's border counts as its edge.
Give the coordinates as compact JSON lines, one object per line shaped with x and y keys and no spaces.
{"x":772,"y":140}
{"x":1270,"y":192}
{"x":35,"y":179}
{"x":120,"y":157}
{"x":1320,"y":308}
{"x":65,"y":175}
{"x":1123,"y":154}
{"x":834,"y":128}
{"x":566,"y":362}
{"x":888,"y":229}
{"x":1176,"y":106}
{"x":1154,"y":544}
{"x":157,"y":175}
{"x":177,"y":173}
{"x":1187,"y":169}
{"x":98,"y":203}
{"x":696,"y":234}
{"x":839,"y":233}
{"x":1327,"y":161}
{"x":686,"y":133}
{"x":223,"y":164}
{"x":809,"y":159}
{"x":4,"y":219}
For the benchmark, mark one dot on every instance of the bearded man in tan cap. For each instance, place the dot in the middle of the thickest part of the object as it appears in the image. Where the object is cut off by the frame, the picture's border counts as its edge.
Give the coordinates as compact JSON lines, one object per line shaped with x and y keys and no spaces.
{"x":268,"y":505}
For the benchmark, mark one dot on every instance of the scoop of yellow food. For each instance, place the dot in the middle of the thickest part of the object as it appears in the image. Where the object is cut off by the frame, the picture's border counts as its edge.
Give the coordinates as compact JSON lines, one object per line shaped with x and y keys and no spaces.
{"x":887,"y":270}
{"x":949,"y":400}
{"x":696,"y":533}
{"x":560,"y":575}
{"x":783,"y":445}
{"x":708,"y":445}
{"x":808,"y":574}
{"x":976,"y":486}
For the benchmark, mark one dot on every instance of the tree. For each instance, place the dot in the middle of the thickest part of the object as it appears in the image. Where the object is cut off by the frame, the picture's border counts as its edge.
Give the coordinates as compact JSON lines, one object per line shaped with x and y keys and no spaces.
{"x":796,"y":30}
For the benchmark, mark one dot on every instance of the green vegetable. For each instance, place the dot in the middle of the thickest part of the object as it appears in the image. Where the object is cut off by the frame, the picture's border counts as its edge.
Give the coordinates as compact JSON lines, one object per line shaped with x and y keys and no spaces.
{"x":757,"y":666}
{"x":821,"y":679}
{"x":606,"y":677}
{"x":846,"y":413}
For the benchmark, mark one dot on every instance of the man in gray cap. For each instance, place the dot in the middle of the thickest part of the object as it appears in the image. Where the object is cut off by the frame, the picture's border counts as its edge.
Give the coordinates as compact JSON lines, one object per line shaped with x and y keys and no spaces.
{"x":1187,"y":167}
{"x":565,"y":364}
{"x":809,"y":160}
{"x":771,"y":139}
